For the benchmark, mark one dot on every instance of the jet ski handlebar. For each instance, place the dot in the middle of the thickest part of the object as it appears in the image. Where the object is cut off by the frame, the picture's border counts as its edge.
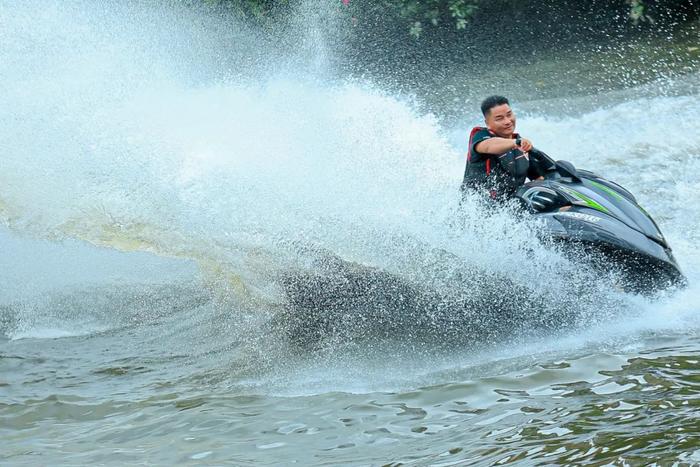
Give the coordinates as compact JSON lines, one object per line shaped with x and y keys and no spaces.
{"x":549,"y":165}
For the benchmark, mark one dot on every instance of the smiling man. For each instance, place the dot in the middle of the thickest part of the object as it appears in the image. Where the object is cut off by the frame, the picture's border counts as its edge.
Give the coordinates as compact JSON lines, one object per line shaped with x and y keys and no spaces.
{"x":498,"y":160}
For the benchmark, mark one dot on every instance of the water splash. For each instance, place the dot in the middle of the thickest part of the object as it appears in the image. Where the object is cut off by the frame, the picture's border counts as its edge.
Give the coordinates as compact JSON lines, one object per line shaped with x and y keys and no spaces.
{"x":266,"y":173}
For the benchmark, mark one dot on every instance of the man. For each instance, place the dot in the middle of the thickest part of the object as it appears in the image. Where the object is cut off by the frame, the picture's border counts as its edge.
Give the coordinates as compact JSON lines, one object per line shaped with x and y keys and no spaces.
{"x":498,"y":159}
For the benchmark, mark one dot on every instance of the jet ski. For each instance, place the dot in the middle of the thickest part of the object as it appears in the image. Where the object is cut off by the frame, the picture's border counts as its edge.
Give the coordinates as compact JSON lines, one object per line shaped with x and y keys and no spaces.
{"x":604,"y":221}
{"x":600,"y":223}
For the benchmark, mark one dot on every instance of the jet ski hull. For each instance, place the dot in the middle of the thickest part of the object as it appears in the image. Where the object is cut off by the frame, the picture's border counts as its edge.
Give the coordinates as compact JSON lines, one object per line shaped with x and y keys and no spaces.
{"x":646,"y":266}
{"x":601,"y":221}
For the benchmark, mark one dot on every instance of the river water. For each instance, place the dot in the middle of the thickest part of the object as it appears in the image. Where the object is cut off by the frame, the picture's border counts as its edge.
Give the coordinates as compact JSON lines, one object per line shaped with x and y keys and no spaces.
{"x":152,"y":218}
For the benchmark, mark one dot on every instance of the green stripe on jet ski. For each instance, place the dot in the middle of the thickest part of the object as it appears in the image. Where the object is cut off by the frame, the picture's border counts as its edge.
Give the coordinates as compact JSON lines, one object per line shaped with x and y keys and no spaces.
{"x":591,"y":203}
{"x":606,"y":189}
{"x":617,"y":195}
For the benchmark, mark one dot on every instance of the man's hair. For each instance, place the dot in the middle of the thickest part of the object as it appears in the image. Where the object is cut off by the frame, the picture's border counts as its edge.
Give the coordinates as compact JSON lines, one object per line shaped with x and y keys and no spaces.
{"x":491,"y":102}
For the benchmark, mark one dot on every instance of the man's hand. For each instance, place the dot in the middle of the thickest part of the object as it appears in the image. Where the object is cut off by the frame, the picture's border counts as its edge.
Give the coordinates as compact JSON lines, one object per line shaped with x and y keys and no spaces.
{"x":525,"y":145}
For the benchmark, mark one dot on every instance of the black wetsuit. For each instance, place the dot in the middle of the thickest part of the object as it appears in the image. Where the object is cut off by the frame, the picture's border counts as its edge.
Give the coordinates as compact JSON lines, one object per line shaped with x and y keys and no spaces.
{"x":497,"y":175}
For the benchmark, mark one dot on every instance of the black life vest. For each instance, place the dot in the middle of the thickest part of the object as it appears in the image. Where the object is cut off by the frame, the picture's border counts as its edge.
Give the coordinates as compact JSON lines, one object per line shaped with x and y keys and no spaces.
{"x":499,"y":175}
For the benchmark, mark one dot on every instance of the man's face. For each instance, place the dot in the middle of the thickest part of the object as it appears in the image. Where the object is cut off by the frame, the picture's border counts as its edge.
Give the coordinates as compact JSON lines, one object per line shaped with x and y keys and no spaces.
{"x":501,"y":120}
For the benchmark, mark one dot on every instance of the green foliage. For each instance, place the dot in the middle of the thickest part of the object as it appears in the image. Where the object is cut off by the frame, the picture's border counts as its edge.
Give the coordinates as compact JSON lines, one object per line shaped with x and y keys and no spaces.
{"x":430,"y":13}
{"x":638,"y":11}
{"x":421,"y":14}
{"x":418,"y":15}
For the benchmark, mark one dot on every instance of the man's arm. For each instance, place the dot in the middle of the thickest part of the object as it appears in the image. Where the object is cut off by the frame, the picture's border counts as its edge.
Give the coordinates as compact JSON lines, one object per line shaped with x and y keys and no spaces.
{"x":498,"y":145}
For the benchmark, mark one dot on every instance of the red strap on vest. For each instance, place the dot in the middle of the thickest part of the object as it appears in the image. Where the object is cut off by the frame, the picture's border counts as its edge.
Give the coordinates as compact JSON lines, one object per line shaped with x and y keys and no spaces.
{"x":474,"y":131}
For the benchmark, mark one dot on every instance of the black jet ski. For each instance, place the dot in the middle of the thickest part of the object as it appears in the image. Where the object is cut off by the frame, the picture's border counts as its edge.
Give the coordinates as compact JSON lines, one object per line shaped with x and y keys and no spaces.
{"x":604,"y":220}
